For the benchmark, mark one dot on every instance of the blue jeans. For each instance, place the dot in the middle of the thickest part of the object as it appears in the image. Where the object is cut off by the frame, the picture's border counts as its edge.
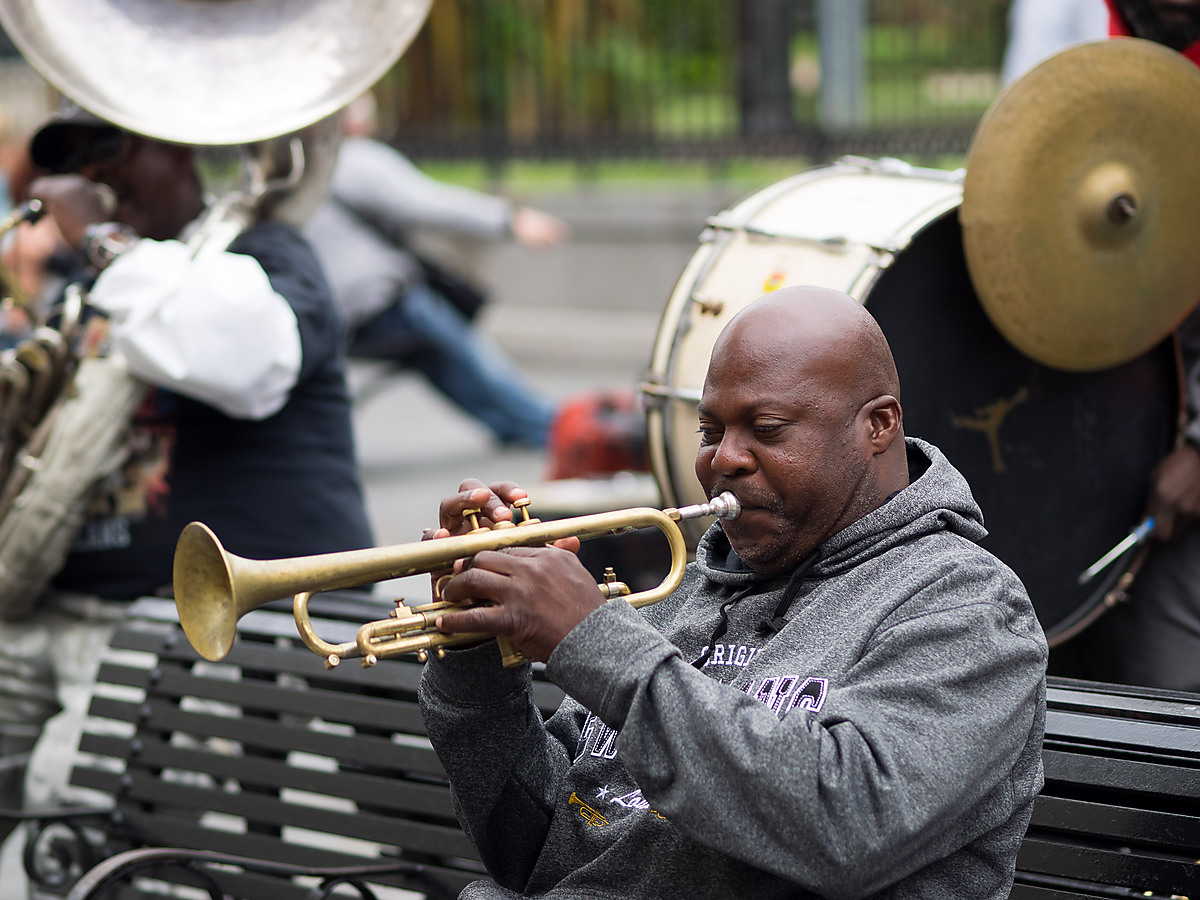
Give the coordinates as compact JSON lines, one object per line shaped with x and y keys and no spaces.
{"x":422,"y":330}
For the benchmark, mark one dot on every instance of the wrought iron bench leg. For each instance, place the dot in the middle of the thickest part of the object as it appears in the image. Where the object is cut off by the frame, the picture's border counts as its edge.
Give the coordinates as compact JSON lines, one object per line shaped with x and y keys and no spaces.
{"x":123,"y":866}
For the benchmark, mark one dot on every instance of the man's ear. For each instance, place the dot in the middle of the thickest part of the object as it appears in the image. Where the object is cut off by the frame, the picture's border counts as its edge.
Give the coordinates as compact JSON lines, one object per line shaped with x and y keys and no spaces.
{"x":885,"y":422}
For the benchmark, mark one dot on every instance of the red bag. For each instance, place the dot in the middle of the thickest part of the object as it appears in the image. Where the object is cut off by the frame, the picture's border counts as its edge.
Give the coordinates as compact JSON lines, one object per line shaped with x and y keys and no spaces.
{"x":598,"y":434}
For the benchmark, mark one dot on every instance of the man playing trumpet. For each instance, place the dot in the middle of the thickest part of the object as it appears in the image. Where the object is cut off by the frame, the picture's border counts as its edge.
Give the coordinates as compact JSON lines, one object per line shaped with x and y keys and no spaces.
{"x":845,"y":697}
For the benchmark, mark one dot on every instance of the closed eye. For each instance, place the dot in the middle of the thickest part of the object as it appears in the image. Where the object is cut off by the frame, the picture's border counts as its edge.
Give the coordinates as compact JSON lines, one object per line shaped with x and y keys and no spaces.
{"x":769,"y":429}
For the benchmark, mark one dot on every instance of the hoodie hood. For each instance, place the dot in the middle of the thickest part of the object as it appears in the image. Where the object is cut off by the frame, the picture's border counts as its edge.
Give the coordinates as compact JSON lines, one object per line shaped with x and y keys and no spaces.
{"x":937,"y":498}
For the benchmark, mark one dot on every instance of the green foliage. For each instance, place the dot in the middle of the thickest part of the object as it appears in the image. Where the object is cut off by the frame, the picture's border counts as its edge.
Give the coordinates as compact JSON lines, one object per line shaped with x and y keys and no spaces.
{"x":669,"y":69}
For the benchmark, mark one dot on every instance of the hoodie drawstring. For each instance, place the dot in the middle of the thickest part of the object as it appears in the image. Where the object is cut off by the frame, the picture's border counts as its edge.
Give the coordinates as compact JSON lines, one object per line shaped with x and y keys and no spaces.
{"x":722,"y":627}
{"x":775,"y":623}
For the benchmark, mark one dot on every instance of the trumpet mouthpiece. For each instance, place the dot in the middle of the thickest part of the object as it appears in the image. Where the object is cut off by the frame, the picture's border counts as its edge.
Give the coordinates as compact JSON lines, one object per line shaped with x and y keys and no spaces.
{"x":723,"y":506}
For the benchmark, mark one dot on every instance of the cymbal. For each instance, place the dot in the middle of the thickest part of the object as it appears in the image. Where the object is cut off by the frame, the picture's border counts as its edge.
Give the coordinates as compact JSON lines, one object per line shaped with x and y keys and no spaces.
{"x":1081,"y":204}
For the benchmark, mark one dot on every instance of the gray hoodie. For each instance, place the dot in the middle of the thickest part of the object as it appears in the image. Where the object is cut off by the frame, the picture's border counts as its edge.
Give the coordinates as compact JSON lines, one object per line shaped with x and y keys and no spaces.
{"x":868,"y":727}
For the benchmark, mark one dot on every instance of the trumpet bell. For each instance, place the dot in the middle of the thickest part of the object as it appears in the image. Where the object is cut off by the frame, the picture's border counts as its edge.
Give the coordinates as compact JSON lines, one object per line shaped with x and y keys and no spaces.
{"x":203,"y":566}
{"x":212,"y":71}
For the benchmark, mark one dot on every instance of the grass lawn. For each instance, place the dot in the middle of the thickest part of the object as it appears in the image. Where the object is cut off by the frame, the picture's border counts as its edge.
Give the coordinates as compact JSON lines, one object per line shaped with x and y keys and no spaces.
{"x":523,"y":178}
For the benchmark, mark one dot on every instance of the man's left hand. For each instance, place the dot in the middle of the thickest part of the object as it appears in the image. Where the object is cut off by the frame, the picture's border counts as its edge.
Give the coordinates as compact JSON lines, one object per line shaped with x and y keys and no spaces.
{"x":74,"y":203}
{"x":538,"y":594}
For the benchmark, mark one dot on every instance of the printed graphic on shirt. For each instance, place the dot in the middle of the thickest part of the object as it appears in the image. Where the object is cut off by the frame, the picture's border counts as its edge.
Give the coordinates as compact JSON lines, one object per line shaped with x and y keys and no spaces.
{"x":780,"y":693}
{"x":597,"y":739}
{"x":738,"y":655}
{"x":622,"y":798}
{"x":588,"y":813}
{"x":783,"y":693}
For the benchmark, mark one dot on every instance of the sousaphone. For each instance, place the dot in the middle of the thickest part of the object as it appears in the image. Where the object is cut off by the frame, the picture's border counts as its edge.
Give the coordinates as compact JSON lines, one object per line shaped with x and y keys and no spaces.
{"x":253,"y":85}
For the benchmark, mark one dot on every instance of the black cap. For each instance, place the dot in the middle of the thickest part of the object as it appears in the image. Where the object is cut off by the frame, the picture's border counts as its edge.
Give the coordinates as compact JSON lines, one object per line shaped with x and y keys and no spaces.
{"x":52,"y":145}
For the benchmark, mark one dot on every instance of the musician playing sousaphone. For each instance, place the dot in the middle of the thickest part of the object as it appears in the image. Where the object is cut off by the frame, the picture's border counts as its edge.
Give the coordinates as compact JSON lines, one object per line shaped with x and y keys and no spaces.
{"x":844,"y":698}
{"x":193,"y":146}
{"x":246,"y":419}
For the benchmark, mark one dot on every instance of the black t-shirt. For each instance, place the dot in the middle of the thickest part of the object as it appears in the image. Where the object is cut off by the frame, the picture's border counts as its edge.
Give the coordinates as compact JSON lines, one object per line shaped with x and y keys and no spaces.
{"x":287,"y":485}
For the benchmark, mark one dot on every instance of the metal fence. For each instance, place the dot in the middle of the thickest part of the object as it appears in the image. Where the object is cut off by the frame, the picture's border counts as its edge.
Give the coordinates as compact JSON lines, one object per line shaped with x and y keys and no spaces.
{"x":585,"y":80}
{"x":702,"y":79}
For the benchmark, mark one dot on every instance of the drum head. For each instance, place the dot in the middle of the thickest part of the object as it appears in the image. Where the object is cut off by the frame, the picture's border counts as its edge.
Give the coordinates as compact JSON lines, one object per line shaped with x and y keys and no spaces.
{"x":1058,"y":461}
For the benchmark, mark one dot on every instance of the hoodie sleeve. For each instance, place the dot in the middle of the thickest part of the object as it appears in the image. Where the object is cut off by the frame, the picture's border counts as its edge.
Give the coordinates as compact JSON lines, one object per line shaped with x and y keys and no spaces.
{"x":505,"y":765}
{"x":898,"y":769}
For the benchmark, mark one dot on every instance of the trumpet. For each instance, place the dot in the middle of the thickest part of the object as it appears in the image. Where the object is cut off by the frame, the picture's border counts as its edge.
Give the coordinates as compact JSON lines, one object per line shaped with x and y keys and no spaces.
{"x":215,"y":588}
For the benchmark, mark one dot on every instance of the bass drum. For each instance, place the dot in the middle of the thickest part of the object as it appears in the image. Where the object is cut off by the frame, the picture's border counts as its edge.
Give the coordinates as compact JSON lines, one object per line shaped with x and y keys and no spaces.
{"x":1058,"y":461}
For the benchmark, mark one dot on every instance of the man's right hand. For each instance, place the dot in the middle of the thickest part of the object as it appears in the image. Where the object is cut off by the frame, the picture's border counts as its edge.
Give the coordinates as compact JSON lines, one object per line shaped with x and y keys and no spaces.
{"x":531,"y":595}
{"x":1175,"y":491}
{"x":74,"y":202}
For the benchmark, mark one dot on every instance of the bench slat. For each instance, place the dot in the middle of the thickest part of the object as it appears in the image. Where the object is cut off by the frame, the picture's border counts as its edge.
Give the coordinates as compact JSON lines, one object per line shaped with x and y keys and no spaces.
{"x":1126,"y":824}
{"x":380,"y":790}
{"x":282,"y":737}
{"x":271,"y":813}
{"x":385,"y":713}
{"x":1132,"y":869}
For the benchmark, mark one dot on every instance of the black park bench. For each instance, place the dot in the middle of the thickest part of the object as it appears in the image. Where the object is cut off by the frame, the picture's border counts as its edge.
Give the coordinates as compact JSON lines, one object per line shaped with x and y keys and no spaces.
{"x":267,"y":776}
{"x":1120,"y":813}
{"x":280,"y":778}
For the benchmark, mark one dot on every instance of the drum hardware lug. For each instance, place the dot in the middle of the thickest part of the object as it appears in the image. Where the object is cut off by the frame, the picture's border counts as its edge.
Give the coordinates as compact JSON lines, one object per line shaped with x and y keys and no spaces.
{"x":865,"y":163}
{"x":709,"y":307}
{"x":713,"y":224}
{"x":1115,"y":598}
{"x":886,"y":165}
{"x":658,"y":394}
{"x":653,"y":394}
{"x":890,"y":165}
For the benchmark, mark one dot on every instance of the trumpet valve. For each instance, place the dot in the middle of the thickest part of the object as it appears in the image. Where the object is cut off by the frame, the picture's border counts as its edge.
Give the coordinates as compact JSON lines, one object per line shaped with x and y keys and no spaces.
{"x":521,"y":508}
{"x":473,"y":516}
{"x":610,"y":587}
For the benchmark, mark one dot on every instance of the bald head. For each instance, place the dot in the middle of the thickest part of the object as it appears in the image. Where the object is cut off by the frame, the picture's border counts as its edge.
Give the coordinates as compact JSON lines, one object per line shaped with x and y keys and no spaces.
{"x":818,"y":328}
{"x":800,"y":417}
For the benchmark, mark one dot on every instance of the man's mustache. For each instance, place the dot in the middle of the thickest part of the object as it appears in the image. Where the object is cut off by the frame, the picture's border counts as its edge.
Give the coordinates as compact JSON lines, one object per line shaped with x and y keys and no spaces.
{"x":748,"y":498}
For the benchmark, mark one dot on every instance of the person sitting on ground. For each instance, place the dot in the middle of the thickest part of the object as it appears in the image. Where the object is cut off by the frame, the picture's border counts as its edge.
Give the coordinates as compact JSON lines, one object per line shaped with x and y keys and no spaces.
{"x":845,"y":698}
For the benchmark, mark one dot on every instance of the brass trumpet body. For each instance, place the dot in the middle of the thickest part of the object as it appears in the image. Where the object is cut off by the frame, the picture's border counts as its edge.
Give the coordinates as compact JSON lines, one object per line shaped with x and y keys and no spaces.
{"x":214,"y":588}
